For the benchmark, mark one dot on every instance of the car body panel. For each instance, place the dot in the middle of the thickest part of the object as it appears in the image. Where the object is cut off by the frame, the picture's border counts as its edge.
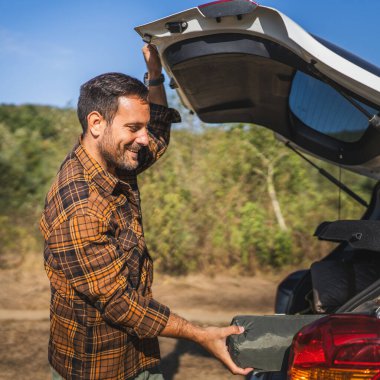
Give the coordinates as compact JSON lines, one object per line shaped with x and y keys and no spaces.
{"x":277,"y":27}
{"x":243,"y":69}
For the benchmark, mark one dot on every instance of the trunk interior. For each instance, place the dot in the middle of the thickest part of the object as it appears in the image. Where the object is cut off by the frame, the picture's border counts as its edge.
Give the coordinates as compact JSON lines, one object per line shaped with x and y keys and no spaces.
{"x":344,"y":281}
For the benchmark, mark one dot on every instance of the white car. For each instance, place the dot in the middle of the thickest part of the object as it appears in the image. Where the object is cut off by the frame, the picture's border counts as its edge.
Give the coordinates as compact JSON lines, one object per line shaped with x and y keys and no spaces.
{"x":236,"y":61}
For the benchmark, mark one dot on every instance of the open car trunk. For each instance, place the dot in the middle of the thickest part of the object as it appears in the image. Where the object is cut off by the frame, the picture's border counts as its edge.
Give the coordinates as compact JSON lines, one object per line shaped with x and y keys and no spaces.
{"x":345,"y":281}
{"x":261,"y":67}
{"x":235,"y":61}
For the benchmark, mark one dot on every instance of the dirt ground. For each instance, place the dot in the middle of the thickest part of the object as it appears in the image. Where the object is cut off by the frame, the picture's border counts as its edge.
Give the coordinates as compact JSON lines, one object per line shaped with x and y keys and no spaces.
{"x":24,"y":325}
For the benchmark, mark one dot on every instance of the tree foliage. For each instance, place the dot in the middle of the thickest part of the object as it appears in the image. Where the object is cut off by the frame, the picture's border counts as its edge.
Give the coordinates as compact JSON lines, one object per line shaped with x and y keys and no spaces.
{"x":227,"y":196}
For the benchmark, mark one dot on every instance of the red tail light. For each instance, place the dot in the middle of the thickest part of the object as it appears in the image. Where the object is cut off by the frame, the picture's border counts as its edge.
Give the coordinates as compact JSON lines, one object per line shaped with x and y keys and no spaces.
{"x":337,"y":347}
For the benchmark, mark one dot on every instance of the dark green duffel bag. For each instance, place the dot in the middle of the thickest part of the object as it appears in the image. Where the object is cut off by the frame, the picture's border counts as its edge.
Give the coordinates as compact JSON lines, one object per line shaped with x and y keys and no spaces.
{"x":265,"y":343}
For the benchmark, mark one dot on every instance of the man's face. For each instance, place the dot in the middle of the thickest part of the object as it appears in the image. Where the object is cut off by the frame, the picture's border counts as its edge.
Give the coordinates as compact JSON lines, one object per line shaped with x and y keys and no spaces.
{"x":126,"y":135}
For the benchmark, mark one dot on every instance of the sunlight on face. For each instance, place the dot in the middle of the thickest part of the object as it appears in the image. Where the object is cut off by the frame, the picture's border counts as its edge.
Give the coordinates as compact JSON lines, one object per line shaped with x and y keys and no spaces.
{"x":126,"y":135}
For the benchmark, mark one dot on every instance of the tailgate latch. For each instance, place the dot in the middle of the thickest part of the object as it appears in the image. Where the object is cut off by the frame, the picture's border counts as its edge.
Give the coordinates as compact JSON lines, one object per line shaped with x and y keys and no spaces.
{"x":176,"y":26}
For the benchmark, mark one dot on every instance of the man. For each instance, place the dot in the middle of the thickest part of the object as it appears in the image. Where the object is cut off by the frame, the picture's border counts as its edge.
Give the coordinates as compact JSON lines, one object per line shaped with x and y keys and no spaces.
{"x":104,"y":320}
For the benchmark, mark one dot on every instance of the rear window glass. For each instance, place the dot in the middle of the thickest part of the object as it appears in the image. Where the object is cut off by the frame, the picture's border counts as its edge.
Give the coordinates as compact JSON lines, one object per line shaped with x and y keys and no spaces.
{"x":322,"y":108}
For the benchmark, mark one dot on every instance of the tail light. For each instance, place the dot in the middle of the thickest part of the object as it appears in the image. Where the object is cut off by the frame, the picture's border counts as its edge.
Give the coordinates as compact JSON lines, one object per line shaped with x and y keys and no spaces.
{"x":222,"y":8}
{"x":337,"y":347}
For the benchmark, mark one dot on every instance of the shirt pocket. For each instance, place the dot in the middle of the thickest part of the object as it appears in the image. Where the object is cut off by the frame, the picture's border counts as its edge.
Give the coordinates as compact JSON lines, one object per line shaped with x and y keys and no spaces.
{"x":127,"y":239}
{"x":132,"y":255}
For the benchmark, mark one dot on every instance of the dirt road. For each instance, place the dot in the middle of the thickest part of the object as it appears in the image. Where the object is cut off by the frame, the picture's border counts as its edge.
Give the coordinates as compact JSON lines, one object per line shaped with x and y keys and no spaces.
{"x":24,"y":319}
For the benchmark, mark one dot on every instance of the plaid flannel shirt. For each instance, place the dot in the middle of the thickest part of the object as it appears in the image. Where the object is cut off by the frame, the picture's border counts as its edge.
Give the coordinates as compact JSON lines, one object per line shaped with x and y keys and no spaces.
{"x":104,"y":321}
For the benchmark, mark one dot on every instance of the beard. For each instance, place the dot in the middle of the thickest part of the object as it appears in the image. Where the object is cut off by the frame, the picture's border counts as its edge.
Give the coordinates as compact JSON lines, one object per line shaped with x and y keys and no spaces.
{"x":117,"y":156}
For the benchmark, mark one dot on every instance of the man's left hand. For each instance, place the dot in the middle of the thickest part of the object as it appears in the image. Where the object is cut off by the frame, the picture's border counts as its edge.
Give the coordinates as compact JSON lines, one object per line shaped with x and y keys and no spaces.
{"x":152,"y":60}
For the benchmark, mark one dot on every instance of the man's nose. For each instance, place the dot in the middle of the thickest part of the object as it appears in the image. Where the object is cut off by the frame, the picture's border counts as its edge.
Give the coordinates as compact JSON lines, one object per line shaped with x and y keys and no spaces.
{"x":142,"y":137}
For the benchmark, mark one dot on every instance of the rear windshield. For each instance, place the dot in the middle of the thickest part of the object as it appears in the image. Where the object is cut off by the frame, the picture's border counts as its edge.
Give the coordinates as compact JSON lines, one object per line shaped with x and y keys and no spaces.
{"x":322,"y":108}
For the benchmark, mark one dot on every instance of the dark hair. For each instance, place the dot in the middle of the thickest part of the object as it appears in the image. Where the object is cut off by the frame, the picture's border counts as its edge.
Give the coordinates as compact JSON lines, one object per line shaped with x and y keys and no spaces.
{"x":102,"y":94}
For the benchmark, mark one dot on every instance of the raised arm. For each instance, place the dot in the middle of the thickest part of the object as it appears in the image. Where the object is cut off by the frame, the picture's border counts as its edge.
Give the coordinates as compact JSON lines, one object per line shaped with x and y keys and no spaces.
{"x":157,"y":93}
{"x":161,"y":117}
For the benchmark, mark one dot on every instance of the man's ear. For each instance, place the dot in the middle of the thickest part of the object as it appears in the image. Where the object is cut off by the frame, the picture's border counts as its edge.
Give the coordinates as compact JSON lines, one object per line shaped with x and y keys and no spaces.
{"x":95,"y":123}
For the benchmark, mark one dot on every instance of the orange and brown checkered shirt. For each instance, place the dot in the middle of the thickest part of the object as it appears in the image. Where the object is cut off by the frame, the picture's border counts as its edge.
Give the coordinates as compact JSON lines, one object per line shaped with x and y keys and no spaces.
{"x":104,"y":321}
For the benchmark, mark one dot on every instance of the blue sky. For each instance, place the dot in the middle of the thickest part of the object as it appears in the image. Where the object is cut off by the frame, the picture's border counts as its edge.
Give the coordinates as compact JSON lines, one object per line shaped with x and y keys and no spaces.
{"x":49,"y":47}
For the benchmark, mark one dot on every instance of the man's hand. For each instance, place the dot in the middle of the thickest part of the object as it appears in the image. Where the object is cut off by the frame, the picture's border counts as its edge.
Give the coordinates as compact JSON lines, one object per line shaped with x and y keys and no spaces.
{"x":213,"y":339}
{"x":153,"y":64}
{"x":152,"y":60}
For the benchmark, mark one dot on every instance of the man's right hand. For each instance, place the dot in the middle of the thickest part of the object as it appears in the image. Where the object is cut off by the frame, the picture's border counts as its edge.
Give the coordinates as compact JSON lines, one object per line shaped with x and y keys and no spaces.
{"x":213,"y":339}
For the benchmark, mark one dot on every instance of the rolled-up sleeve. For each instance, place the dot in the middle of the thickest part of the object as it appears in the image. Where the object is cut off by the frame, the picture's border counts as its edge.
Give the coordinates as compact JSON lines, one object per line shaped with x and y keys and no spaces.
{"x":97,"y":268}
{"x":160,"y":122}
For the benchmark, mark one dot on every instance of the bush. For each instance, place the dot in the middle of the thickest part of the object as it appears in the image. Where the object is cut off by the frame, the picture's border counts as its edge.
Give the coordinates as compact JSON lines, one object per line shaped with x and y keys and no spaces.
{"x":206,"y":203}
